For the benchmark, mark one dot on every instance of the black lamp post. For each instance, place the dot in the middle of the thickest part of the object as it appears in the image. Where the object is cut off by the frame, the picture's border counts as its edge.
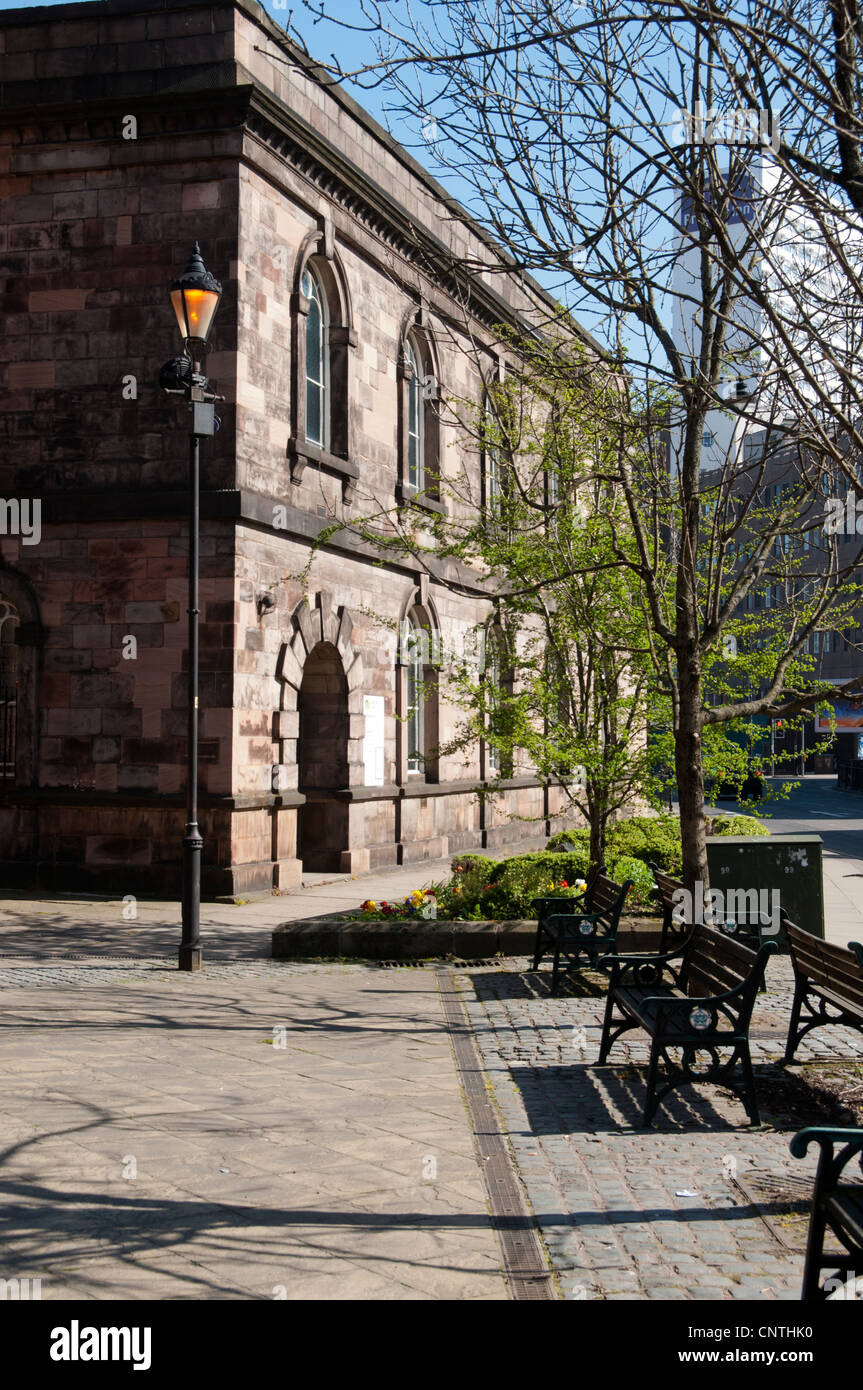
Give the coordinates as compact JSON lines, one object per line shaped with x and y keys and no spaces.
{"x":195,"y":298}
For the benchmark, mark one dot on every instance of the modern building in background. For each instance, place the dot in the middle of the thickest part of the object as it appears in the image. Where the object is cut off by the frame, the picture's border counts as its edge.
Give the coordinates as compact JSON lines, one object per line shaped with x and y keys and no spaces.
{"x":755,"y":430}
{"x":127,"y":134}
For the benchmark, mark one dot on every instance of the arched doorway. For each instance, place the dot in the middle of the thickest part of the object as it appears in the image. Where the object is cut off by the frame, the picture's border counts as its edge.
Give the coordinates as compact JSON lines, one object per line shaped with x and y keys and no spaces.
{"x":322,"y":757}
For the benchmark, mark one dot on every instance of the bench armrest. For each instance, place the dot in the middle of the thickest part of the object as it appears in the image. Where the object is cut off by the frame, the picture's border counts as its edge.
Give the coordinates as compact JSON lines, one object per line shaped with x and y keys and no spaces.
{"x":826,"y":1136}
{"x":657,"y":957}
{"x":642,"y":969}
{"x":575,"y":902}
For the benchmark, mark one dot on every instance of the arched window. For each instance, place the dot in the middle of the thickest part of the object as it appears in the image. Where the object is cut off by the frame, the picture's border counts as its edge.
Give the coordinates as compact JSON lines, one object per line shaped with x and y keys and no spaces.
{"x":419,"y":423}
{"x":419,"y":657}
{"x":321,"y":344}
{"x":317,"y":385}
{"x":415,"y":710}
{"x":416,"y":418}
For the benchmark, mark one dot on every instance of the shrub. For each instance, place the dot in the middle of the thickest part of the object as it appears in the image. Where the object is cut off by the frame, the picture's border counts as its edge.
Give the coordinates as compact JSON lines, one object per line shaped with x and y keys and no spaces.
{"x":644,"y":886}
{"x":567,"y":840}
{"x":461,"y":896}
{"x":647,"y":838}
{"x":515,"y":882}
{"x":737,"y":825}
{"x":473,"y":863}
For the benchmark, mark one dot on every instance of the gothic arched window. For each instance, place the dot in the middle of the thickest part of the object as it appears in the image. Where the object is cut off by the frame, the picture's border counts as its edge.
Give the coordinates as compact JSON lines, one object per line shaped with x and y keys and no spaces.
{"x":419,"y":657}
{"x":419,"y":422}
{"x":317,"y":373}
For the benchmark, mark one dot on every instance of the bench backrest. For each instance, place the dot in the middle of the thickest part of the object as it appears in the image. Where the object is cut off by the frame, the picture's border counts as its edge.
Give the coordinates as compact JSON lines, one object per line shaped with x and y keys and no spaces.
{"x":669,"y":890}
{"x":833,"y":967}
{"x":714,"y":963}
{"x":606,"y":897}
{"x":667,"y":885}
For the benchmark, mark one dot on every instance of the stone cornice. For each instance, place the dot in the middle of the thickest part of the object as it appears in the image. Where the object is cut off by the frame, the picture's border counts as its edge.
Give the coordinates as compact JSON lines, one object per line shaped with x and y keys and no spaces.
{"x":241,"y":506}
{"x":75,"y":108}
{"x":304,"y":149}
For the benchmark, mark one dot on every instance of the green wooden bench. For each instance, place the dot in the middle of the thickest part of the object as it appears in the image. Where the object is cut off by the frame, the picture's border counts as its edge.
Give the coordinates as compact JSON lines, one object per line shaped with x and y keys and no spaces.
{"x":583,"y":929}
{"x":672,"y":927}
{"x":700,"y":1010}
{"x":745,"y":929}
{"x":835,"y":1204}
{"x":828,"y":985}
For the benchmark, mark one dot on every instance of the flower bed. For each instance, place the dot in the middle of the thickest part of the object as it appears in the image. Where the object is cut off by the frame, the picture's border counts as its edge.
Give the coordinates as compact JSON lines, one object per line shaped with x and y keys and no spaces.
{"x":421,"y":904}
{"x":471,"y":896}
{"x":502,"y":890}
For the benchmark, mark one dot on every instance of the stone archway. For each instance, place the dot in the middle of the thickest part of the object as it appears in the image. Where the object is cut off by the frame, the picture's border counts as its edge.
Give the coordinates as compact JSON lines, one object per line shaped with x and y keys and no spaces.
{"x":322,"y":759}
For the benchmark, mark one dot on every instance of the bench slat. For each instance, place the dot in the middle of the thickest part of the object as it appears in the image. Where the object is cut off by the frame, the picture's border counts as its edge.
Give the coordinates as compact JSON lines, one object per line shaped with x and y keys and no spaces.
{"x":846,"y":977}
{"x":823,"y":953}
{"x":840,"y":1001}
{"x":713,"y":967}
{"x":845,"y":1209}
{"x":827,"y":967}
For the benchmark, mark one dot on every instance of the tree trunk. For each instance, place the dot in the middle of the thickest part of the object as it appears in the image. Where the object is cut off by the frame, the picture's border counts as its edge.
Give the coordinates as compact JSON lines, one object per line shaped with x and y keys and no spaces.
{"x":598,"y":827}
{"x":690,"y":774}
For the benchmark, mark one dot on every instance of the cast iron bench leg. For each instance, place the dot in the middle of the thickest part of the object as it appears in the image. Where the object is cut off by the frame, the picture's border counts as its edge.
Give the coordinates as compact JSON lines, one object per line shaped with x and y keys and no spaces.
{"x":605,"y":1044}
{"x":793,"y":1039}
{"x":750,"y":1099}
{"x":537,"y":954}
{"x":814,"y":1249}
{"x":650,"y":1104}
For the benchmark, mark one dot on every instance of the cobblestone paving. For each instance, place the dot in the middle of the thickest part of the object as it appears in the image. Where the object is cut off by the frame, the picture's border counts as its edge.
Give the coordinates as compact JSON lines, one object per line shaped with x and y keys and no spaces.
{"x":627,"y":1212}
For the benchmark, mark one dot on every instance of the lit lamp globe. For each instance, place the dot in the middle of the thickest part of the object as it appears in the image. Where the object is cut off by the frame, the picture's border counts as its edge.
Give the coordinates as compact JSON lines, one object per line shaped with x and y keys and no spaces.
{"x":195,"y":298}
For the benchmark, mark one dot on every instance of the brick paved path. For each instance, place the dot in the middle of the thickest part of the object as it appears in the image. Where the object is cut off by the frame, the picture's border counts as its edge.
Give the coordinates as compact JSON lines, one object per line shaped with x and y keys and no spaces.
{"x":610,"y":1198}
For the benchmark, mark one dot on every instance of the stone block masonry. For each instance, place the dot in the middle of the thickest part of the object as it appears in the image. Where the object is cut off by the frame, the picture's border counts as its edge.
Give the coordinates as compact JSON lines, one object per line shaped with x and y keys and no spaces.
{"x":125,"y":137}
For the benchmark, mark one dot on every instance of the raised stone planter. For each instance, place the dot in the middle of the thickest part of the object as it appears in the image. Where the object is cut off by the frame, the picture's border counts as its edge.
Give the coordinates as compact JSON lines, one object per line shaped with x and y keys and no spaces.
{"x":421,"y":940}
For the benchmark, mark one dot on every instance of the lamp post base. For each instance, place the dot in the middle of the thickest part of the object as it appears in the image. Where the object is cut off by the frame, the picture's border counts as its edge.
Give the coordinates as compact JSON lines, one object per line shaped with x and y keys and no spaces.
{"x":191,"y":958}
{"x":190,"y":938}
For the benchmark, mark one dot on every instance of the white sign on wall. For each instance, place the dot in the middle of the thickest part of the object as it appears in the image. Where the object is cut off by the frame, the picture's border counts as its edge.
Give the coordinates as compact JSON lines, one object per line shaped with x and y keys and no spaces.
{"x":373,"y":743}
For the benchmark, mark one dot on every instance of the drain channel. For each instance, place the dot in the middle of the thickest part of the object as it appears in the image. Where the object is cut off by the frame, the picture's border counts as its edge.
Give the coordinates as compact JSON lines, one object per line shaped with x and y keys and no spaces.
{"x":523,"y":1257}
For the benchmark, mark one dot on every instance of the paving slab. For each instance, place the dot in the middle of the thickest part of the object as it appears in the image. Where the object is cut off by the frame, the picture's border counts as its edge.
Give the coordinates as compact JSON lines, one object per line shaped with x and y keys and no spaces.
{"x":157,"y":1144}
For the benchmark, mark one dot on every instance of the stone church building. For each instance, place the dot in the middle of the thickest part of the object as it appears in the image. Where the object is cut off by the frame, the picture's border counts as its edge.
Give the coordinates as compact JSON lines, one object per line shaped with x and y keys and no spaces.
{"x":129,"y":130}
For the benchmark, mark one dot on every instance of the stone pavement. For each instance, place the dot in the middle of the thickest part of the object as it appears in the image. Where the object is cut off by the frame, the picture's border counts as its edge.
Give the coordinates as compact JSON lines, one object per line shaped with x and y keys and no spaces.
{"x":626,"y":1212}
{"x":162,"y":1138}
{"x":818,"y":807}
{"x":342,"y":1165}
{"x":60,"y":924}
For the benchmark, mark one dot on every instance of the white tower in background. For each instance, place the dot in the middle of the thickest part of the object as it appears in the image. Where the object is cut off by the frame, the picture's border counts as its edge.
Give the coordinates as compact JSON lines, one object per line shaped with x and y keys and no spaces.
{"x":744,"y":358}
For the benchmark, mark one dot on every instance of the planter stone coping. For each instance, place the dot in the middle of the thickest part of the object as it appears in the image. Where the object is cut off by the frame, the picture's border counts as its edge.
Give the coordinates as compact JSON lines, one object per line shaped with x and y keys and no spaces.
{"x":421,"y":939}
